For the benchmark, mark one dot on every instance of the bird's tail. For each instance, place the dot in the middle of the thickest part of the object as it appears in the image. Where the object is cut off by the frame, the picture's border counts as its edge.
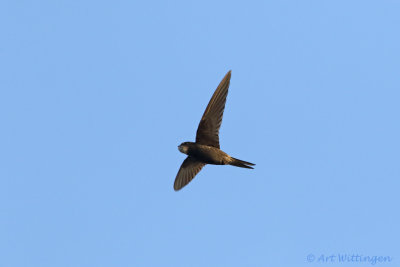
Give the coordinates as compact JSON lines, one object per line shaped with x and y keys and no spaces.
{"x":241,"y":163}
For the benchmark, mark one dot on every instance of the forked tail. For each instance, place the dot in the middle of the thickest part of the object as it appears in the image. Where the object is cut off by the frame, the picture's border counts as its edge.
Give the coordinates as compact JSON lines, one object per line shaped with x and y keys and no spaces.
{"x":241,"y":163}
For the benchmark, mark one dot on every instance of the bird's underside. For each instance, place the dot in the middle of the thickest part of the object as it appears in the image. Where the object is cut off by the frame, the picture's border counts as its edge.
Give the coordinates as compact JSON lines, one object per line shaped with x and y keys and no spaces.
{"x":206,"y":149}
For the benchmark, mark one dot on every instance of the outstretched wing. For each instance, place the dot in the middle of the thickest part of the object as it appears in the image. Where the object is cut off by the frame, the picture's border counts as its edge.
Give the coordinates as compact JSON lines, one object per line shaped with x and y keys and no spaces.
{"x":189,"y":168}
{"x":208,"y":130}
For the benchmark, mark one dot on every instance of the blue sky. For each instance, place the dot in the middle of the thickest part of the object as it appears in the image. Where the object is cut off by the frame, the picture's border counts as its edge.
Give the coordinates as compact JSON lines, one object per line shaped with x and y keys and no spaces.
{"x":96,"y":96}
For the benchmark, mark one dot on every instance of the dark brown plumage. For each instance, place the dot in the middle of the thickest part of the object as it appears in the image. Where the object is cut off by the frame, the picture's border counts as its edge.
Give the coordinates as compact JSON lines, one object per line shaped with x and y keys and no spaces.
{"x":206,"y":148}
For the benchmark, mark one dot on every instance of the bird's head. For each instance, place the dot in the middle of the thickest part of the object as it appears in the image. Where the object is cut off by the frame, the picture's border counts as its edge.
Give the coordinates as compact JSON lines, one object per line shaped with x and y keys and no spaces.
{"x":184,"y":147}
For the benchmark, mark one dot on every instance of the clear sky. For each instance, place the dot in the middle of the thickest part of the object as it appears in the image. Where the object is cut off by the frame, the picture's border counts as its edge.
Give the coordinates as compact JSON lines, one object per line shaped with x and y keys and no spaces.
{"x":95,"y":97}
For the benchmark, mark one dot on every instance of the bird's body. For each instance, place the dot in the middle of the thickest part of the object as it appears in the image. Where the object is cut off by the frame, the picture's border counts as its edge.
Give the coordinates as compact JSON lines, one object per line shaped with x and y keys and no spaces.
{"x":206,"y":154}
{"x":206,"y":149}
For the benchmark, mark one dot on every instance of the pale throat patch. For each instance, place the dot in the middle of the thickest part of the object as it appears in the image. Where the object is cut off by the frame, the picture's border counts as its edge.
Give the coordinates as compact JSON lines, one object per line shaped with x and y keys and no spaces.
{"x":183,"y":149}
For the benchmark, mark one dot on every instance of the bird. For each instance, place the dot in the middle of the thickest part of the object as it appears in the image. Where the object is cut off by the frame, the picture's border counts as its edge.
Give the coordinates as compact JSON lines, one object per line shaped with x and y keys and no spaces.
{"x":206,"y":149}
